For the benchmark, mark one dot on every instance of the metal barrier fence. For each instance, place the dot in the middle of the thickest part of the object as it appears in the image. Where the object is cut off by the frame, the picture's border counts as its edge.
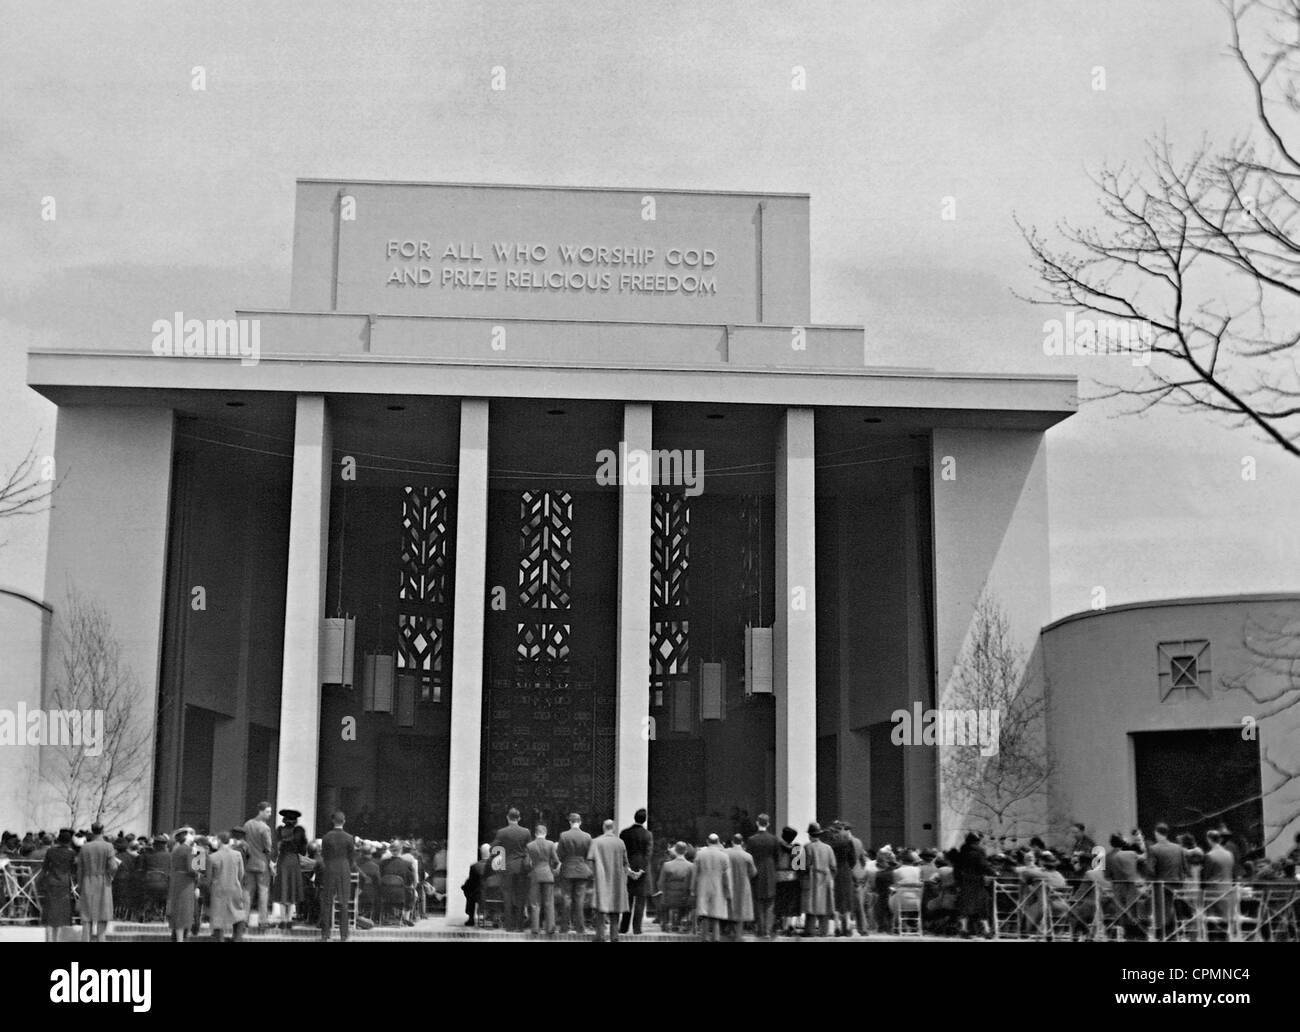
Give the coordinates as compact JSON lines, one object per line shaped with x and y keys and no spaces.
{"x":1146,"y":910}
{"x":1021,"y":909}
{"x":20,"y":898}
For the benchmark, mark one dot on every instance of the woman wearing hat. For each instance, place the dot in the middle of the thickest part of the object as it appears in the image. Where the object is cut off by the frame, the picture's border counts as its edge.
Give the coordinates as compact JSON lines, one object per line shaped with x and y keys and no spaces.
{"x":181,"y":887}
{"x":787,"y":882}
{"x":288,"y":888}
{"x":974,"y":873}
{"x":55,"y":885}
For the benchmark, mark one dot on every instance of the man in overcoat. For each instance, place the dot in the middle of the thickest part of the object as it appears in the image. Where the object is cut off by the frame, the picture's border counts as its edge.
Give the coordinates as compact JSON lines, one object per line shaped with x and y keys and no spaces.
{"x":96,"y":864}
{"x":818,"y":883}
{"x":763,"y":846}
{"x":608,"y":858}
{"x":740,"y":901}
{"x":227,"y":910}
{"x":712,"y":887}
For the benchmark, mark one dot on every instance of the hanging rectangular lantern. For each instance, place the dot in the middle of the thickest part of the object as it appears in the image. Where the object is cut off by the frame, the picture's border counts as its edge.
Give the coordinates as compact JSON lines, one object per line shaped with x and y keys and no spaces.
{"x":758,"y":661}
{"x":377,"y":672}
{"x":713,"y":696}
{"x":337,"y":642}
{"x":406,"y":686}
{"x":683,"y":712}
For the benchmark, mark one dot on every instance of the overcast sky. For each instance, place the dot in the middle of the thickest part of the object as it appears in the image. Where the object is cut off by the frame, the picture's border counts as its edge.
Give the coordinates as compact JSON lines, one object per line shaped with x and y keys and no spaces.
{"x":170,"y":198}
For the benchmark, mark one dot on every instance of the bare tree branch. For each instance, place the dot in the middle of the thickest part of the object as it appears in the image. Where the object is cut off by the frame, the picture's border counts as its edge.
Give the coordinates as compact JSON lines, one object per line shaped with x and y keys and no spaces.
{"x":1204,"y":250}
{"x":97,"y":780}
{"x":1001,"y":791}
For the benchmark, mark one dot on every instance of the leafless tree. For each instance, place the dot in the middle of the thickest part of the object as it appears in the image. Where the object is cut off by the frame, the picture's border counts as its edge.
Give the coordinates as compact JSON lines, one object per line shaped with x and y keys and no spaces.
{"x":24,"y":490}
{"x":1005,"y":792}
{"x":103,"y":784}
{"x":1203,"y":250}
{"x":1271,"y":680}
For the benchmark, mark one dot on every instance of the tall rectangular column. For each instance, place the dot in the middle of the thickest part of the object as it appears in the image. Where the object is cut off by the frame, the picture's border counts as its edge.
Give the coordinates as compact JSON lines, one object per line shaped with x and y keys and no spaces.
{"x":107,"y":551}
{"x":634,"y":499}
{"x":794,"y":638}
{"x":304,"y":608}
{"x":467,"y":649}
{"x":1001,"y":558}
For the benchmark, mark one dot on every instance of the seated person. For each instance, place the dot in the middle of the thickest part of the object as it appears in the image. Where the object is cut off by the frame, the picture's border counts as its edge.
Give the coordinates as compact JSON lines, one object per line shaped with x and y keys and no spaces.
{"x":473,"y":885}
{"x":397,"y":883}
{"x":1035,"y":873}
{"x":905,"y":879}
{"x":368,"y":882}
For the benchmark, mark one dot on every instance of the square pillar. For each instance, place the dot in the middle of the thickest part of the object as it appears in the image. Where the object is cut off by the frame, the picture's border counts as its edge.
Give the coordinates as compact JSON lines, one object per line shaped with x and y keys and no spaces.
{"x":794,"y":639}
{"x":633,"y":689}
{"x":469,"y":609}
{"x":304,"y":608}
{"x":107,"y":545}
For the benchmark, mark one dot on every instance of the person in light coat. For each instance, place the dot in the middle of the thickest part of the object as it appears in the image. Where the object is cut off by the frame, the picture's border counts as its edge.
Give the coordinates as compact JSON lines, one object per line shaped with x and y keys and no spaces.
{"x":711,"y":883}
{"x":740,"y":900}
{"x":1216,"y":878}
{"x":182,"y":887}
{"x":818,"y":883}
{"x":227,"y":908}
{"x":95,"y":866}
{"x":608,"y":858}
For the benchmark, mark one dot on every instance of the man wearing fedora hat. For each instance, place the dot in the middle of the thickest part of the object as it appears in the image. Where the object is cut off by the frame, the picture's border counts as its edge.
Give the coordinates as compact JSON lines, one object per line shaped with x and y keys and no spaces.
{"x":227,"y":901}
{"x":818,"y":883}
{"x":96,"y":864}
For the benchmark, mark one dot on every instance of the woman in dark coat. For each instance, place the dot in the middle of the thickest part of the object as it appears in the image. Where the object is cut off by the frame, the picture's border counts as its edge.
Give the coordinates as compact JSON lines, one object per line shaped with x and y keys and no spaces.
{"x":56,"y":885}
{"x":155,"y":867}
{"x":181,"y":888}
{"x":973,"y":869}
{"x":788,"y":904}
{"x":288,"y":890}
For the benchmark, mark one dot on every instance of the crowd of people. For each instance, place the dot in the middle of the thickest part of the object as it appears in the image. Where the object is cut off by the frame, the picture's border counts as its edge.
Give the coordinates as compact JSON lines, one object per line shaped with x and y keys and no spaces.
{"x":252,"y":877}
{"x":826,"y":881}
{"x":829,"y":882}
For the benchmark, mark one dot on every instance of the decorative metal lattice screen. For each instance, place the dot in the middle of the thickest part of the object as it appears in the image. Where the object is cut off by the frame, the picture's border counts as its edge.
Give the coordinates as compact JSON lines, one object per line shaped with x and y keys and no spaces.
{"x":545,"y":575}
{"x":670,"y":561}
{"x":425,"y":589}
